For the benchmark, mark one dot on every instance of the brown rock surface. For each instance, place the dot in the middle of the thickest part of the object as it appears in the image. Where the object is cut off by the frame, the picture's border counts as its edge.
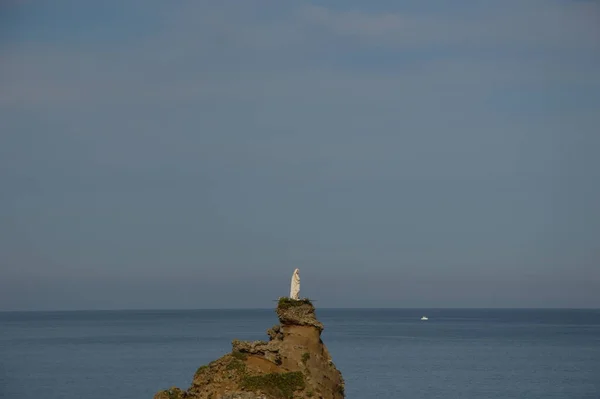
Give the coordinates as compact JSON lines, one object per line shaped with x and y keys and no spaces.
{"x":293,"y":364}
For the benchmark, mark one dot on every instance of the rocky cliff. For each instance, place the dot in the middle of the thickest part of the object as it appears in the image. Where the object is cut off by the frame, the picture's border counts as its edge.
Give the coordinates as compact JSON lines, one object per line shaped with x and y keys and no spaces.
{"x":293,"y":364}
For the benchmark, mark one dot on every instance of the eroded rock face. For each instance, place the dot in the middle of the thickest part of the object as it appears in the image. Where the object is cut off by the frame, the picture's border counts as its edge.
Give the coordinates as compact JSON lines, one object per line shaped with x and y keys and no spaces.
{"x":293,"y":364}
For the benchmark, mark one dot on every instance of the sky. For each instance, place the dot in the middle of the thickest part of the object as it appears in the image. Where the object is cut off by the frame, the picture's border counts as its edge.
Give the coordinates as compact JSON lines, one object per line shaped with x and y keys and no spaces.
{"x":191,"y":154}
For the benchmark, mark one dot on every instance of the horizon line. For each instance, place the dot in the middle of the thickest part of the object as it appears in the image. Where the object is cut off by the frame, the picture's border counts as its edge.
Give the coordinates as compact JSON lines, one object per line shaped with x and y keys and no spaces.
{"x":271,"y":308}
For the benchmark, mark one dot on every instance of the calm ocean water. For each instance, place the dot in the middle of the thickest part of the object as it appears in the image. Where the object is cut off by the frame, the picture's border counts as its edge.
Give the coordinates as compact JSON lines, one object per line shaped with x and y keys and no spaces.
{"x":469,"y":354}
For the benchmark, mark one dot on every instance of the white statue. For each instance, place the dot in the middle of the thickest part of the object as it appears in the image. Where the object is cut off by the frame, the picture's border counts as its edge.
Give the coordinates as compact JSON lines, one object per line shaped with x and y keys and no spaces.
{"x":295,"y":289}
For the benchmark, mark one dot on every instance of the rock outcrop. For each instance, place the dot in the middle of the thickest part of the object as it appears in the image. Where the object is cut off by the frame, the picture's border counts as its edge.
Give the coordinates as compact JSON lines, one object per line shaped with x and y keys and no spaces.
{"x":293,"y":364}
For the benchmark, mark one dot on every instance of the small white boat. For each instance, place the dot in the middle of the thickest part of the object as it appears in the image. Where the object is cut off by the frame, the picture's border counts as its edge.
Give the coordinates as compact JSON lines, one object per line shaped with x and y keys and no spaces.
{"x":424,"y":318}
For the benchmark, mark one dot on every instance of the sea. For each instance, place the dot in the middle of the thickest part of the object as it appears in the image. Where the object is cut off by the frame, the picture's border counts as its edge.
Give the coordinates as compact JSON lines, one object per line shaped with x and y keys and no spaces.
{"x":382,"y":353}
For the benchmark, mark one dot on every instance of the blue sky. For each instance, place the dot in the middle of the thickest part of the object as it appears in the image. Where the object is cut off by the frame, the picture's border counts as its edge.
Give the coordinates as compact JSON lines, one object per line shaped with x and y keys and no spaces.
{"x":400,"y":153}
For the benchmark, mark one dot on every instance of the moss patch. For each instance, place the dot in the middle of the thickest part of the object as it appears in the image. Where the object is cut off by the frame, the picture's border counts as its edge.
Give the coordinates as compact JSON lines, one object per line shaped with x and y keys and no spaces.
{"x":236,"y":365}
{"x":239,"y":355}
{"x":286,"y":303}
{"x":280,"y":385}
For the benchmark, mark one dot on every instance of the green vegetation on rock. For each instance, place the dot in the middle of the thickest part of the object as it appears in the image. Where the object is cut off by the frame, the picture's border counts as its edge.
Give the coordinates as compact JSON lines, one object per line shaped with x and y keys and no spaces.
{"x":239,"y":355}
{"x":237,"y":365}
{"x":286,"y":303}
{"x":281,"y":385}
